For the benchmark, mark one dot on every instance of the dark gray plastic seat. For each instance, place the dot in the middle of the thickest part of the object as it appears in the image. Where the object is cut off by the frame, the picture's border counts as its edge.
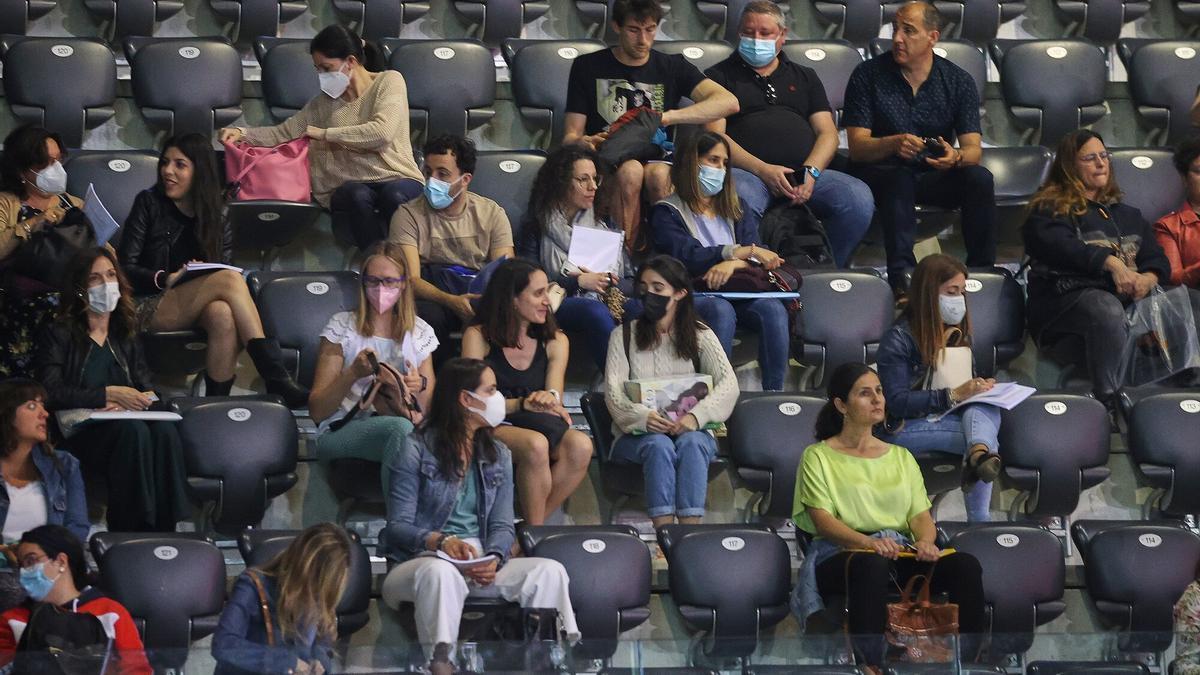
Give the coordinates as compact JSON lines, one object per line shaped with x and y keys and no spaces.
{"x":1099,"y":20}
{"x":703,"y":54}
{"x":858,"y":21}
{"x":1085,"y":668}
{"x":267,"y":225}
{"x":451,"y":83}
{"x":499,"y":20}
{"x":834,"y":61}
{"x":506,"y":177}
{"x":844,"y":316}
{"x":962,"y":53}
{"x":15,"y":15}
{"x":1163,"y":78}
{"x":1017,"y":173}
{"x":288,"y":78}
{"x":1149,"y":180}
{"x":997,"y":305}
{"x":378,"y":19}
{"x":767,"y":436}
{"x":132,"y":17}
{"x":540,"y":70}
{"x":722,"y":17}
{"x":119,"y":175}
{"x":1052,"y":87}
{"x":1162,"y":432}
{"x":1188,"y":12}
{"x":977,"y":20}
{"x":254,"y":18}
{"x":64,"y":84}
{"x":186,"y":85}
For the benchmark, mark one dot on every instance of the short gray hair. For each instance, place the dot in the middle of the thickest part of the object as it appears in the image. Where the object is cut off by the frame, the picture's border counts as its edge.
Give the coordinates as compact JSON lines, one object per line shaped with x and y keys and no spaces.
{"x":765,"y":7}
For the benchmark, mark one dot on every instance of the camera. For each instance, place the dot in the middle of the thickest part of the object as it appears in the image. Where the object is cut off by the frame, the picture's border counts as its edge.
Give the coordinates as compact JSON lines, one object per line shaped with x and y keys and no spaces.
{"x":934,"y":148}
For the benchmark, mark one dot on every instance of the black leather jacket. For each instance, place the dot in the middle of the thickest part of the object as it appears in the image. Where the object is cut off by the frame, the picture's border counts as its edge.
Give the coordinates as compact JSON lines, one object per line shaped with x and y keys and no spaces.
{"x":158,"y":237}
{"x":62,"y":353}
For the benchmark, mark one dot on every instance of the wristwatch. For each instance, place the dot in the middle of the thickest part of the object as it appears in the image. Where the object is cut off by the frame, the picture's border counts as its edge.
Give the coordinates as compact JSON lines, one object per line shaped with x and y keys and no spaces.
{"x":813,"y":171}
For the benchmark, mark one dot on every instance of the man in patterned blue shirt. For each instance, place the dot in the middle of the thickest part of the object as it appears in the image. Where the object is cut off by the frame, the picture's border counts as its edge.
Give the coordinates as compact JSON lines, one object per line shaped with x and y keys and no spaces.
{"x":903,"y":109}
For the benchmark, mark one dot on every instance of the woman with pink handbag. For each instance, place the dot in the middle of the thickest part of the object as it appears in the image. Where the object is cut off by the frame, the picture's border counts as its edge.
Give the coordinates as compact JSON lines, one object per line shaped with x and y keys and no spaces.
{"x":358,"y":128}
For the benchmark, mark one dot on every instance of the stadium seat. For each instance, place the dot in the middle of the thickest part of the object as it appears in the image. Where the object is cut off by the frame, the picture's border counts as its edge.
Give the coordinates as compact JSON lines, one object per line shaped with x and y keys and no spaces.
{"x":497,"y":20}
{"x":451,"y":83}
{"x":64,"y":84}
{"x":132,"y":17}
{"x":1052,"y":86}
{"x":767,"y":435}
{"x":1017,"y":173}
{"x":172,"y":584}
{"x":540,"y":70}
{"x":288,"y":78}
{"x":834,"y":61}
{"x":15,"y":15}
{"x":977,"y":20}
{"x":962,"y":53}
{"x":938,"y":669}
{"x":997,"y":305}
{"x":858,"y":21}
{"x":259,"y":547}
{"x":1162,"y":431}
{"x":1188,"y":13}
{"x":1099,"y":20}
{"x":832,"y":333}
{"x":240,"y":453}
{"x":506,"y":177}
{"x":1135,"y":572}
{"x":594,"y":14}
{"x":177,"y":353}
{"x":379,"y":19}
{"x":1054,"y":445}
{"x":1085,"y":668}
{"x":1163,"y":78}
{"x":118,"y":176}
{"x":267,"y":225}
{"x":609,"y":568}
{"x":1023,"y":578}
{"x":254,"y":18}
{"x":729,"y":582}
{"x":185,"y":85}
{"x":722,"y":17}
{"x":703,"y":54}
{"x":1149,"y":180}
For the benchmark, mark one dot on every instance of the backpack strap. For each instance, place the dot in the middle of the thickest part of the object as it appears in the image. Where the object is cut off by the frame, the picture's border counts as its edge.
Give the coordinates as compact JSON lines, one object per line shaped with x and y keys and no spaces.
{"x":264,"y":605}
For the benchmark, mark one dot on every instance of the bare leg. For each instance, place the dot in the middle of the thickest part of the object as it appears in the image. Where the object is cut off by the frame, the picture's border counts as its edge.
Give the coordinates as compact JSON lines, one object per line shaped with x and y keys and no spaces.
{"x":659,"y":521}
{"x":658,"y":182}
{"x":690,"y":520}
{"x":531,"y":455}
{"x":628,"y":198}
{"x":217,"y":320}
{"x":568,"y":468}
{"x":181,"y":307}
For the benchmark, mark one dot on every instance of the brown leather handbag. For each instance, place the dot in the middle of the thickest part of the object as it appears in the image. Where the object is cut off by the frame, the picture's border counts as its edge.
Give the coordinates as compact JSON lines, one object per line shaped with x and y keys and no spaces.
{"x":926,"y":630}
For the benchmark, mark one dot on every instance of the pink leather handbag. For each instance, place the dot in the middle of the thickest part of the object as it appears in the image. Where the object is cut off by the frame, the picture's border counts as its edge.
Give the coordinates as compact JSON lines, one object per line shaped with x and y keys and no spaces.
{"x":279,"y":173}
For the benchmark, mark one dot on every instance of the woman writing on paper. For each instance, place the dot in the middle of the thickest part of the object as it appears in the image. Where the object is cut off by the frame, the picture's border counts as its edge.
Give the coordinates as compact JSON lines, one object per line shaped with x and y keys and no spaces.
{"x":863,"y":500}
{"x":450,"y":492}
{"x":926,"y":368}
{"x":181,"y":220}
{"x":92,"y":359}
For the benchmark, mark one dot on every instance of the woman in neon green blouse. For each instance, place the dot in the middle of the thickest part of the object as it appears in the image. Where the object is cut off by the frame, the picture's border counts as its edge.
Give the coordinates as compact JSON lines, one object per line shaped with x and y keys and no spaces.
{"x":856,"y":493}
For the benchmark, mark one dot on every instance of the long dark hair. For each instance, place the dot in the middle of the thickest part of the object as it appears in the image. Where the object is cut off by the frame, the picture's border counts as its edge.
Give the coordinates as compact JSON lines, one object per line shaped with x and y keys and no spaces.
{"x":554,"y":182}
{"x":25,"y":148}
{"x":14,"y":393}
{"x":56,"y":539}
{"x":924,"y":316}
{"x":684,"y":332}
{"x":205,"y":193}
{"x":829,"y":420}
{"x":74,"y":305}
{"x":448,"y":418}
{"x":497,"y":316}
{"x":338,"y":42}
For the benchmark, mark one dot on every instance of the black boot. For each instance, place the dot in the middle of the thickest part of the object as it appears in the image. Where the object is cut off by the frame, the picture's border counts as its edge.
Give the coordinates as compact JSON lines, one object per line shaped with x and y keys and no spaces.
{"x":269,"y":362}
{"x":214,"y":388}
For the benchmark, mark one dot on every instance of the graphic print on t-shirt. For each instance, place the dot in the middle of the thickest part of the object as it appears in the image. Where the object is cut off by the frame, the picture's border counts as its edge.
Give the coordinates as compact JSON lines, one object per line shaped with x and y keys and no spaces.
{"x":614,"y":97}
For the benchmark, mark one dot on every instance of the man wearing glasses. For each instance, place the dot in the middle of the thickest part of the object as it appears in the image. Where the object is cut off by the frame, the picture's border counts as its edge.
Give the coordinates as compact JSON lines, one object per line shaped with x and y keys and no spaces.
{"x":783,"y":136}
{"x":903,"y":110}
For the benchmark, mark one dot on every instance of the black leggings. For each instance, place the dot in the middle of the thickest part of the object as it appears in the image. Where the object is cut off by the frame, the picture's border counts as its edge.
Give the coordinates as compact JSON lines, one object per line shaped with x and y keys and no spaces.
{"x":871,"y":581}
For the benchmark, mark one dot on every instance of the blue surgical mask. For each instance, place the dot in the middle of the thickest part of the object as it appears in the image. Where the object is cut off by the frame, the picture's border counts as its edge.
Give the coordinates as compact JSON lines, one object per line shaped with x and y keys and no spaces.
{"x":755,"y":52}
{"x":438,"y":193}
{"x":712,"y":180}
{"x":35,"y":581}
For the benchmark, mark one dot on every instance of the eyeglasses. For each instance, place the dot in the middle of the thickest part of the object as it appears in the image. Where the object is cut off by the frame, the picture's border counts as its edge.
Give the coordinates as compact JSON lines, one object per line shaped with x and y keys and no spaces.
{"x":376,"y":282}
{"x":1096,"y":155}
{"x":32,"y":559}
{"x":588,"y":181}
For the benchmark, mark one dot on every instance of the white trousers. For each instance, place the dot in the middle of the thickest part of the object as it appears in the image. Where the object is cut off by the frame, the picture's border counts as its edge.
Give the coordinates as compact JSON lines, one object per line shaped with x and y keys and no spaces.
{"x":438,"y":590}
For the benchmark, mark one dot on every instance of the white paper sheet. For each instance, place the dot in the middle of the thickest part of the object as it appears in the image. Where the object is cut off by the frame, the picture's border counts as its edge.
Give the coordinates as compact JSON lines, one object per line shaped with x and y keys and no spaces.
{"x":196,"y":270}
{"x":1006,"y":395}
{"x":595,"y":249}
{"x":103,"y":224}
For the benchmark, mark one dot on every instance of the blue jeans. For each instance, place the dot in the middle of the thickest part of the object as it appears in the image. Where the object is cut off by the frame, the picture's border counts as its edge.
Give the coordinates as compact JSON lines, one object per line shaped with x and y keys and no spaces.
{"x":365,"y":209}
{"x":955,"y":433}
{"x":842,"y":202}
{"x":769,"y":319}
{"x":675,"y":470}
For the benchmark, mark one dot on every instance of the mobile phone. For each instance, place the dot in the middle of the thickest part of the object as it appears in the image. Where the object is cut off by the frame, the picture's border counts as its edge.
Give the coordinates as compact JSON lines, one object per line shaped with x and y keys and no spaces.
{"x":797,"y":178}
{"x":371,"y":358}
{"x":934,"y":147}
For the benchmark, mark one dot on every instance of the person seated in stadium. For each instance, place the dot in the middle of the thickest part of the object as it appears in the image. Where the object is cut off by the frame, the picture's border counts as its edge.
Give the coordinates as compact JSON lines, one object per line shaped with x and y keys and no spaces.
{"x":926,"y":368}
{"x":864,"y":503}
{"x":54,"y":571}
{"x":92,"y":359}
{"x":33,"y":198}
{"x":515,"y":333}
{"x":451,"y":232}
{"x":706,"y":227}
{"x":360,"y":158}
{"x":41,"y":485}
{"x":1090,"y":256}
{"x":903,"y":111}
{"x":604,"y":85}
{"x":1178,"y":232}
{"x":1187,"y":631}
{"x":783,"y":137}
{"x":385,"y":326}
{"x":181,"y":220}
{"x":667,"y":340}
{"x":451,"y":492}
{"x":282,"y":617}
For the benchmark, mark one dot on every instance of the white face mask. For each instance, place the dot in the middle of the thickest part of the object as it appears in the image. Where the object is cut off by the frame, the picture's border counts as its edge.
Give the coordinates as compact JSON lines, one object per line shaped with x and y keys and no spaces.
{"x":493,"y":413}
{"x":334,"y":84}
{"x":103,"y":299}
{"x":952,"y":308}
{"x":52,"y":179}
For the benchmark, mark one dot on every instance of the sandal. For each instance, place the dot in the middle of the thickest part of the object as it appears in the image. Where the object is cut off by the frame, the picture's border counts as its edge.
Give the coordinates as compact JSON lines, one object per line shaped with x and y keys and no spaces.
{"x":983,"y":465}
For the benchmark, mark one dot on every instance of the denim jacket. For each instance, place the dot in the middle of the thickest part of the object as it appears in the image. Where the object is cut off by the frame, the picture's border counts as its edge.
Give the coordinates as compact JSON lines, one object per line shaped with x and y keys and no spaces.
{"x":66,"y":503}
{"x":239,"y":644}
{"x":421,"y":498}
{"x":902,"y":371}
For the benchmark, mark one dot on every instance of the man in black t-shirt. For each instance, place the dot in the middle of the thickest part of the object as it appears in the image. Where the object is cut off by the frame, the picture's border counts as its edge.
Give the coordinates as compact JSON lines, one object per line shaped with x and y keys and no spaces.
{"x":605,"y":84}
{"x":784,"y":133}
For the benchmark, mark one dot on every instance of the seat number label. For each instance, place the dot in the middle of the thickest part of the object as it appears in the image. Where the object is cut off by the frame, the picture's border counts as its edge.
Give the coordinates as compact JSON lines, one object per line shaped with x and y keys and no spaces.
{"x":733,"y":543}
{"x":238,"y":414}
{"x":594,"y":545}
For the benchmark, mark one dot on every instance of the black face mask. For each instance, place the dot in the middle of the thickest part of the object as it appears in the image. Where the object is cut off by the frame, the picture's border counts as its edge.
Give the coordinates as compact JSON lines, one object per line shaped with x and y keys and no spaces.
{"x":654,"y":307}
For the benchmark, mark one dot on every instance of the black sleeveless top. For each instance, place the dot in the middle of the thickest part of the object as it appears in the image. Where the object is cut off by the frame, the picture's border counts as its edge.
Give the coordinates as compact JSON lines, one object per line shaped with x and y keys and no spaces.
{"x":515,"y":383}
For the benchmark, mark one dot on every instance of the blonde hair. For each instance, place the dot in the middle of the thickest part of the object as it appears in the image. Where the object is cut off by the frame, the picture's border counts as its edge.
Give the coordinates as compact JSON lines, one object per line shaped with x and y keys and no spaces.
{"x":1063,"y":194}
{"x":311,"y":576}
{"x":403,"y":313}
